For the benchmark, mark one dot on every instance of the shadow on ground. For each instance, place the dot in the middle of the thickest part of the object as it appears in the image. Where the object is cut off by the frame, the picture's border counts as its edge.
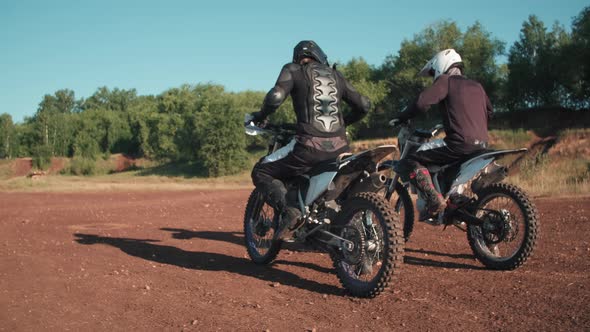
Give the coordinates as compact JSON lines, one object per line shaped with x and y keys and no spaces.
{"x":208,"y":261}
{"x":185,"y":170}
{"x":238,"y":239}
{"x":228,"y":237}
{"x":411,"y":260}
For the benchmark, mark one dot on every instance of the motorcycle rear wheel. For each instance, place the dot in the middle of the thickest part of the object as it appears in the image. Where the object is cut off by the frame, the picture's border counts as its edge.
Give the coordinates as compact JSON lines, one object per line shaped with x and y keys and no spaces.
{"x":366,"y":269}
{"x":260,"y":226}
{"x":511,"y":225}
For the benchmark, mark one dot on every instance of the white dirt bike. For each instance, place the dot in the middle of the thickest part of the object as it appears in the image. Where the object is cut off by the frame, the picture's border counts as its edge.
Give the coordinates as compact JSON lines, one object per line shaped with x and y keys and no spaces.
{"x":500,"y":220}
{"x":341,"y":213}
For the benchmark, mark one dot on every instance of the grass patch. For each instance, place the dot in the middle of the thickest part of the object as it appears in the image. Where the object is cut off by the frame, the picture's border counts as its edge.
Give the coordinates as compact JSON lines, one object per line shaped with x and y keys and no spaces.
{"x":6,"y":168}
{"x":510,"y":139}
{"x":549,"y":176}
{"x":126,"y":181}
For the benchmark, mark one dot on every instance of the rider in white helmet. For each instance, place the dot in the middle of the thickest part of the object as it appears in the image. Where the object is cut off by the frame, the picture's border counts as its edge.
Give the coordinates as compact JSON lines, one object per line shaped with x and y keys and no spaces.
{"x":441,"y":63}
{"x":465,"y":109}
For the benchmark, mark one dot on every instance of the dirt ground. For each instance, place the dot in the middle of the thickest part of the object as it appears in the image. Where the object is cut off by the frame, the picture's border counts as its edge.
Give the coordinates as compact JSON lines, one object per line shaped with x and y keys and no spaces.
{"x":176,"y":261}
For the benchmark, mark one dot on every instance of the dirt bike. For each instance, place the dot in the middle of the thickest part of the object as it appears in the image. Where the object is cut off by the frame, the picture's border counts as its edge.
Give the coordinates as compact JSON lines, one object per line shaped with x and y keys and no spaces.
{"x":341,"y":213}
{"x":500,"y":220}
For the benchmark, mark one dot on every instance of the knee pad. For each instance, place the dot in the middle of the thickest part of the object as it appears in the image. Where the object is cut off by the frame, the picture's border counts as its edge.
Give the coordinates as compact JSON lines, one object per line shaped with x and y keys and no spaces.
{"x":276,"y":194}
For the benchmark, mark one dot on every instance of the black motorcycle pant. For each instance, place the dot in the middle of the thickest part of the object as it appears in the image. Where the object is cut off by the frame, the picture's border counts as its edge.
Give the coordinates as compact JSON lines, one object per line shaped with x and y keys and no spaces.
{"x":437,"y":156}
{"x":271,"y":171}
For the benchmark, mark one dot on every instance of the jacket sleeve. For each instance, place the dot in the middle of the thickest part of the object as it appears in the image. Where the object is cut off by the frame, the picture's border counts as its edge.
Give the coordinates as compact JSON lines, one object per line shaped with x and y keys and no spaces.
{"x":430,"y":96}
{"x":277,"y":95}
{"x":489,"y":108}
{"x":360,"y":104}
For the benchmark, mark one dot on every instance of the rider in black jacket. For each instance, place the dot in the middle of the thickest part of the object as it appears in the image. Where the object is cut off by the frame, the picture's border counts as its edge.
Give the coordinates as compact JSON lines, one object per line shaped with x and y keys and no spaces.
{"x":465,"y":109}
{"x":317,"y":91}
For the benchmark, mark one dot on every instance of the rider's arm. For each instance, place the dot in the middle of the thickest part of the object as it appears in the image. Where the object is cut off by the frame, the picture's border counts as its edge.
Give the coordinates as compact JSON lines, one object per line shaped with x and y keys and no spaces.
{"x":360,"y":104}
{"x":277,"y":95}
{"x":489,"y":108}
{"x":431,"y":96}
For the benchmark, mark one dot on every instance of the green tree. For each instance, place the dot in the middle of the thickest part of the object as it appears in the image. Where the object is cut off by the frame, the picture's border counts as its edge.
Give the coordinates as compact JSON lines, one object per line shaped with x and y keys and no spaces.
{"x":106,"y":99}
{"x":479,"y":51}
{"x":7,"y":136}
{"x":478,"y":48}
{"x":142,"y":109}
{"x":576,"y":56}
{"x":363,"y":77}
{"x":52,"y":127}
{"x":222,"y":142}
{"x":534,"y":65}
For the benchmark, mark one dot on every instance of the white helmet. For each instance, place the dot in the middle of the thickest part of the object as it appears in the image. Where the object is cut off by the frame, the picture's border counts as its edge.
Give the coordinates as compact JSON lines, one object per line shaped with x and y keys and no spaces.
{"x":440,"y":63}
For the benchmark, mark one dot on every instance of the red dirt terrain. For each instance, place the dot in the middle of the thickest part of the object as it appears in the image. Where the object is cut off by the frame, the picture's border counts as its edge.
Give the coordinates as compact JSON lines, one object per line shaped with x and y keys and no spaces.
{"x":175,"y":261}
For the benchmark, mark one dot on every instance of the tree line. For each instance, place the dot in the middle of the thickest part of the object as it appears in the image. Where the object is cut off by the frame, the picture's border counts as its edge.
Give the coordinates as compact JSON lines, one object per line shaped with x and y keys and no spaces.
{"x":203,"y":123}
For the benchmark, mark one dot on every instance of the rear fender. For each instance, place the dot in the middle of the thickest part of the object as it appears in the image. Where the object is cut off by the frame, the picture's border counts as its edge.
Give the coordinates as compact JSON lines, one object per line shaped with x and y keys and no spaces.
{"x":357,"y":168}
{"x":366,"y":160}
{"x":472,"y":167}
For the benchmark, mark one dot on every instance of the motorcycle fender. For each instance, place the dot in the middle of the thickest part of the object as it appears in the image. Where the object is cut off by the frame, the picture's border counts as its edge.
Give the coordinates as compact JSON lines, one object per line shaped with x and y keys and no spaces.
{"x":468,"y":171}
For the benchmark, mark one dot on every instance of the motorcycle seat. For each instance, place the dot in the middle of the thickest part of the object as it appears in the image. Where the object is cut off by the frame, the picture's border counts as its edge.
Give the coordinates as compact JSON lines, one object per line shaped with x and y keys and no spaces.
{"x":330,"y":165}
{"x":438,"y":168}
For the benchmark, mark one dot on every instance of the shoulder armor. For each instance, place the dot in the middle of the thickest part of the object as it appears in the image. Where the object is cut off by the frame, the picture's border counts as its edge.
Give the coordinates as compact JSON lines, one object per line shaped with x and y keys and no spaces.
{"x":292,"y":66}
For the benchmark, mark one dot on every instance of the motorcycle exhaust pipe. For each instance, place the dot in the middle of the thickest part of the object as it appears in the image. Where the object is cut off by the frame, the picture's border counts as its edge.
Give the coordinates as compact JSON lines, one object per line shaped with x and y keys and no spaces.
{"x":372,"y":183}
{"x":378,"y":181}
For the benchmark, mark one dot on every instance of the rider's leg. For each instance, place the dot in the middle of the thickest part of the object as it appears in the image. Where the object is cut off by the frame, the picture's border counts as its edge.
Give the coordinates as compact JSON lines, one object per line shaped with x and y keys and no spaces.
{"x":422,"y":180}
{"x":269,"y":173}
{"x":267,"y":177}
{"x":418,"y":175}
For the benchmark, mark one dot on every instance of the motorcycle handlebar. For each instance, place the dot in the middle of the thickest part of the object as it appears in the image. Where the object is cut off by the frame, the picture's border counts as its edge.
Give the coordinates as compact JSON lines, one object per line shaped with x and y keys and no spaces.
{"x":395,"y":123}
{"x":285,"y":128}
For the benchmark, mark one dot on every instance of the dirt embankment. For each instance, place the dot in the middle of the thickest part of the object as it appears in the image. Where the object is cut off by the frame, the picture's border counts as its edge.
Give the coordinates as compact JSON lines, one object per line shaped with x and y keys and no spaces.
{"x":116,"y":163}
{"x":24,"y":166}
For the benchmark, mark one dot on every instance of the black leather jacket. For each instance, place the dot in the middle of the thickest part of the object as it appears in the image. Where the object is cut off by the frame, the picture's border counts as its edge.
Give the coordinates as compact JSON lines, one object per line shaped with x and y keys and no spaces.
{"x":317,"y":91}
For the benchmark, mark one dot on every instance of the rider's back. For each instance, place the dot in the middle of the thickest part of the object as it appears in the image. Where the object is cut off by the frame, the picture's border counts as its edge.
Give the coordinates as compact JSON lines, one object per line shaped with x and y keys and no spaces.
{"x":317,"y":91}
{"x":465,"y":110}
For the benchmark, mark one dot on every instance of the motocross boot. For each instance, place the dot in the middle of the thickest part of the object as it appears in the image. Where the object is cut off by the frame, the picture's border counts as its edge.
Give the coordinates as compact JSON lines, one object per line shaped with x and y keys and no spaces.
{"x":435,"y":202}
{"x":288,"y":223}
{"x":289,"y":215}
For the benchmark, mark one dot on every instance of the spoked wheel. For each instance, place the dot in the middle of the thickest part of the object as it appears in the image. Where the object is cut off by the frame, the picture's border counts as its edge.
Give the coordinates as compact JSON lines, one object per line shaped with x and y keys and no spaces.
{"x":260,"y":225}
{"x":373,"y":248}
{"x":509,"y":232}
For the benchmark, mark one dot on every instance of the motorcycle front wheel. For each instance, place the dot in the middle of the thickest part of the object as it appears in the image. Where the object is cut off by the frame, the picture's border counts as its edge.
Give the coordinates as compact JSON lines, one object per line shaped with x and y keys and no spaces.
{"x":402,"y":203}
{"x":508,"y":235}
{"x":260,"y":225}
{"x":373,"y":248}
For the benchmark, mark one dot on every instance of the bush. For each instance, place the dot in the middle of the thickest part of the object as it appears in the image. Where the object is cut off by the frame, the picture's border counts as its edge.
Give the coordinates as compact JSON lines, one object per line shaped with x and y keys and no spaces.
{"x":83,"y":166}
{"x":223,"y":142}
{"x":85,"y":146}
{"x":42,"y":157}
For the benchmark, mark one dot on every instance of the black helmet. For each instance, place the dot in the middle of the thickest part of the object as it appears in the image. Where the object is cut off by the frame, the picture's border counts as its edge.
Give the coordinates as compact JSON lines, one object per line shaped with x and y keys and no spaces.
{"x":309,"y":49}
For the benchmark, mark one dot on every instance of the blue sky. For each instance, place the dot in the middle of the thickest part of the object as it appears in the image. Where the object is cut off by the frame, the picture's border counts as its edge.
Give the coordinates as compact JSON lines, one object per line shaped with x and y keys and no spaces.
{"x":155,"y":45}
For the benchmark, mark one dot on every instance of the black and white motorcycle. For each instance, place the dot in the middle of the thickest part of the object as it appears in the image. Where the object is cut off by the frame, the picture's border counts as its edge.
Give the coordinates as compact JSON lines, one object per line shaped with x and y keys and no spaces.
{"x":500,"y":220}
{"x":341,"y":214}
